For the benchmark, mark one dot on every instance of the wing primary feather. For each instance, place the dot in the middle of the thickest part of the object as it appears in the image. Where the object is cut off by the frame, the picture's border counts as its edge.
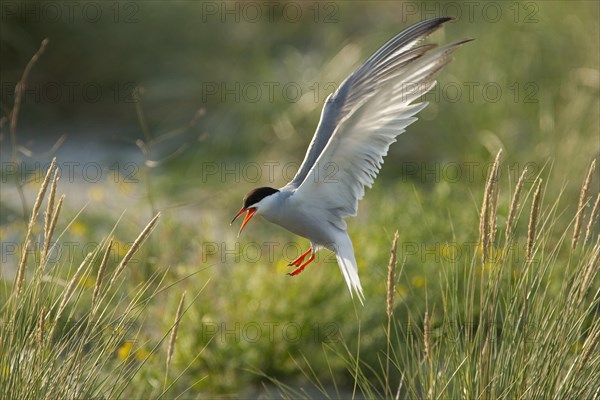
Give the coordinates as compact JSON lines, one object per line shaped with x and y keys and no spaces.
{"x":398,"y":52}
{"x":408,"y":38}
{"x":363,"y":134}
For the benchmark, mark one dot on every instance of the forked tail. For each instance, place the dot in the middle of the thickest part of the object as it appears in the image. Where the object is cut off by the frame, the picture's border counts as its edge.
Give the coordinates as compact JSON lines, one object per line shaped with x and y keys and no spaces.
{"x":347,"y":263}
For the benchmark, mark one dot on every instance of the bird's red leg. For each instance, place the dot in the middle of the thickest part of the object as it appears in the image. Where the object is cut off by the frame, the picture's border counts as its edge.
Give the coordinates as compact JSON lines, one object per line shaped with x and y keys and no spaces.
{"x":298,"y":261}
{"x":301,"y":268}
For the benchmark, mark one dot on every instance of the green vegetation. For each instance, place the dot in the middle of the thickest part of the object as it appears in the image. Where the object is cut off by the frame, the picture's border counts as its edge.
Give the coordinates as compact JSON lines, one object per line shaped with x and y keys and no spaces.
{"x":490,"y":297}
{"x":502,"y":325}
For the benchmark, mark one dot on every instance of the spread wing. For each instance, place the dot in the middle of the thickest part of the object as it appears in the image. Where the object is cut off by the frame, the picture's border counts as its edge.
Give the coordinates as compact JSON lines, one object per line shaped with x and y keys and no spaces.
{"x":374,"y":108}
{"x":387,"y":66}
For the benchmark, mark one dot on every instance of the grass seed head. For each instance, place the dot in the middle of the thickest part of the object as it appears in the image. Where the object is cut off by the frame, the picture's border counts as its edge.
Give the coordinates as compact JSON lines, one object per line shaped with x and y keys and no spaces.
{"x":100,"y":275}
{"x":487,"y":219}
{"x":514,"y":204}
{"x":391,"y":276}
{"x":134,"y":248}
{"x":34,"y":214}
{"x":533,"y":217}
{"x":581,"y":205}
{"x":592,"y":221}
{"x":50,"y":220}
{"x":493,"y":199}
{"x":426,"y":336}
{"x":173,"y":338}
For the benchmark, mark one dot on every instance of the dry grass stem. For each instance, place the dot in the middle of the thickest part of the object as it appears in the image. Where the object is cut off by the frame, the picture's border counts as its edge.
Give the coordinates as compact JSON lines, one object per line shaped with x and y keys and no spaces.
{"x":173,"y":338}
{"x":588,"y":348}
{"x":390,"y":306}
{"x":134,"y":248}
{"x":40,"y":196}
{"x":593,"y":217}
{"x":486,"y":231}
{"x":590,"y":269}
{"x":514,"y":204}
{"x":19,"y":90}
{"x":51,"y":229}
{"x":50,"y":206}
{"x":55,"y":215}
{"x":41,"y":324}
{"x":492,"y":216}
{"x":399,"y":387}
{"x":48,"y":229}
{"x":391,"y":276}
{"x":483,"y":225}
{"x":582,"y":202}
{"x":27,"y":241}
{"x":101,"y":270}
{"x":533,"y":217}
{"x":21,"y":270}
{"x":426,"y":338}
{"x":493,"y":204}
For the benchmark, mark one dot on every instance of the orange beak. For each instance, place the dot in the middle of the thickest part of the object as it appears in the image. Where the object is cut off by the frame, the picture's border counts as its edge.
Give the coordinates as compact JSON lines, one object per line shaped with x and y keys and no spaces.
{"x":249,"y":214}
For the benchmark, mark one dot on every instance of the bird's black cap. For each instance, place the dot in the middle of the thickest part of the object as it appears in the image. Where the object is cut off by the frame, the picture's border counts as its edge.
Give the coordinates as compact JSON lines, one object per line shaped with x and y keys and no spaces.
{"x":256,"y":195}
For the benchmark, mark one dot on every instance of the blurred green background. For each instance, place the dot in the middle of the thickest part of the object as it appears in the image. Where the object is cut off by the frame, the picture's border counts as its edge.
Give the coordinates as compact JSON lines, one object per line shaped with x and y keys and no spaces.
{"x":232,"y":93}
{"x":224,"y":57}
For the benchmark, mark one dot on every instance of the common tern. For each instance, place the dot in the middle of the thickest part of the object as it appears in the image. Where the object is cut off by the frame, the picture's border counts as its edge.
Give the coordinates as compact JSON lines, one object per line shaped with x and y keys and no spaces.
{"x":358,"y":123}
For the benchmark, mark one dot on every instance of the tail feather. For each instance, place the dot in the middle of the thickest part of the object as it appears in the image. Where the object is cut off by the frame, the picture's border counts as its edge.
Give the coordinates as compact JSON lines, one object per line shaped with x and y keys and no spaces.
{"x":347,"y":263}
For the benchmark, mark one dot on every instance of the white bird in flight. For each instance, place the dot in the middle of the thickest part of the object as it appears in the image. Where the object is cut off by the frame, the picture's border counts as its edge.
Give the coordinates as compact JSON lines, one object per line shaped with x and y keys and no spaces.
{"x":358,"y":124}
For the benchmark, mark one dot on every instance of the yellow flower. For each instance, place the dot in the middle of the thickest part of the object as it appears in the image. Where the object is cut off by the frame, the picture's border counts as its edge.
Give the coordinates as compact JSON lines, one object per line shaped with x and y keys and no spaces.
{"x":493,"y":259}
{"x":577,"y":347}
{"x":87,"y":282}
{"x":125,"y":350}
{"x":79,"y":228}
{"x":418,"y":281}
{"x":282,"y":266}
{"x":120,"y":247}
